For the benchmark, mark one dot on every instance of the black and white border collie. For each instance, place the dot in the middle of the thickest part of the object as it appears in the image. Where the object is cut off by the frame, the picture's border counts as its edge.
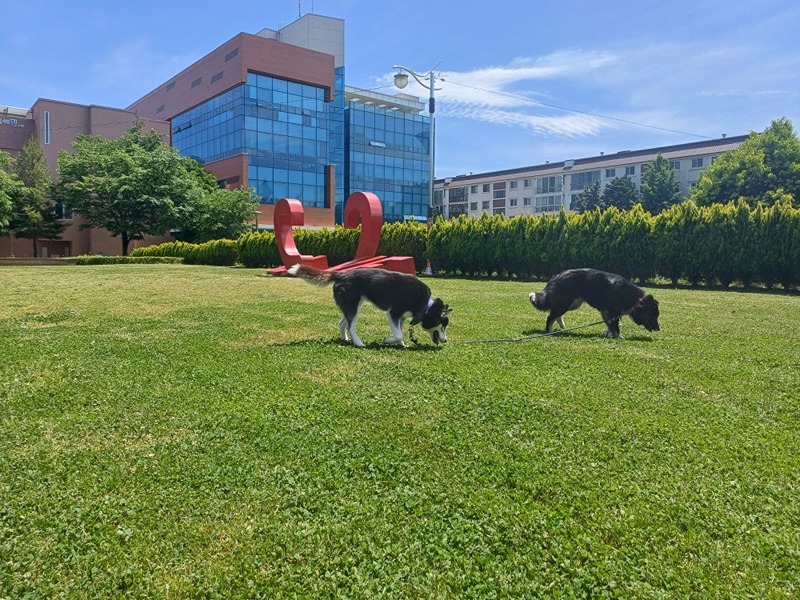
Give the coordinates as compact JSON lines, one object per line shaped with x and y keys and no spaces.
{"x":612,"y":295}
{"x":401,"y":295}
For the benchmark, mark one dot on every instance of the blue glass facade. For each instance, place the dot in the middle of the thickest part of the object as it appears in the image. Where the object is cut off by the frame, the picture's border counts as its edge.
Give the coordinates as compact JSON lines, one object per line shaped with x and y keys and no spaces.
{"x":338,"y":156}
{"x":213,"y":130}
{"x":387,"y":153}
{"x":290,"y":135}
{"x":284,"y":127}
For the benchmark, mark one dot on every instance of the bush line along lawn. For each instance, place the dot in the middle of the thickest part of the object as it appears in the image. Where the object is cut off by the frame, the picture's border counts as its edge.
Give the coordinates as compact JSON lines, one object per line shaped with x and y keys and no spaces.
{"x":174,"y":431}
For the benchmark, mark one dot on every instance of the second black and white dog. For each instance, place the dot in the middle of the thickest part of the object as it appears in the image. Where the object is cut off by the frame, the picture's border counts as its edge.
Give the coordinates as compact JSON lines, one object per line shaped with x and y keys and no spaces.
{"x":401,"y":295}
{"x":611,"y":294}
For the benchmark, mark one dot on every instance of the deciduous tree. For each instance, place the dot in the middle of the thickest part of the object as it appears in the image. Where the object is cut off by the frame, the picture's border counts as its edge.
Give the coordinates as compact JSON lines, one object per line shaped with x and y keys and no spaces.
{"x":765,"y":167}
{"x":219,"y":214}
{"x":133,"y":186}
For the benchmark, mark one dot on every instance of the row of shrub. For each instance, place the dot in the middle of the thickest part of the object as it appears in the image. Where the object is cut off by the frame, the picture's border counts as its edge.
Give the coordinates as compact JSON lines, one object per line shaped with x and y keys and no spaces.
{"x":99,"y":259}
{"x":221,"y":253}
{"x":717,"y":244}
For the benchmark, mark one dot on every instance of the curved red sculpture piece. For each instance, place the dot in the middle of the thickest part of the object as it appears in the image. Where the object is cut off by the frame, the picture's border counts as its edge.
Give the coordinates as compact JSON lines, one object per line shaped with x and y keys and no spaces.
{"x":364,"y":207}
{"x":288,"y":214}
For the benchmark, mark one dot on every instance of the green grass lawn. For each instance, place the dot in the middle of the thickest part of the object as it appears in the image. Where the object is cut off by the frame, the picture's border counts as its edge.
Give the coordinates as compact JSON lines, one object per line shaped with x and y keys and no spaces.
{"x":175,"y":431}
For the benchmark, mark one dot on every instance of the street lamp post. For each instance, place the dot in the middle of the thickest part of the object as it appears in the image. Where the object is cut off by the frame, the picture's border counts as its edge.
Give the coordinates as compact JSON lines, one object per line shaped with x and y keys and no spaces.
{"x":401,"y":81}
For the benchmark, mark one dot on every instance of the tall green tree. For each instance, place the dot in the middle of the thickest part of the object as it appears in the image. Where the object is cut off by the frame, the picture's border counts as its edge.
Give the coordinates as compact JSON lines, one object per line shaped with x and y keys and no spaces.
{"x":660,"y":186}
{"x":10,"y":188}
{"x":589,"y":199}
{"x":219,"y":214}
{"x":620,"y":192}
{"x":35,"y":216}
{"x":763,"y":168}
{"x":132,"y":186}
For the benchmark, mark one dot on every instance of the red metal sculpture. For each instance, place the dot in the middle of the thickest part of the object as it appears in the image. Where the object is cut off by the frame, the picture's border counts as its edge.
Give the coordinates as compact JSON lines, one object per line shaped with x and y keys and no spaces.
{"x":361,"y":208}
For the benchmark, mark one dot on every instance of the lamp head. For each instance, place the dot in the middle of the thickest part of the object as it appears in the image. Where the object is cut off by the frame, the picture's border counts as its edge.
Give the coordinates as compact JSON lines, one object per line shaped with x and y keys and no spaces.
{"x":400,"y":80}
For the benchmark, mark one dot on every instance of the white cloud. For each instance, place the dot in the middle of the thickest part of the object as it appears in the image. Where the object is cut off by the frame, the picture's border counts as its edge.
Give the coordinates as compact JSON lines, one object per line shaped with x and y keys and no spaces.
{"x":506,"y":95}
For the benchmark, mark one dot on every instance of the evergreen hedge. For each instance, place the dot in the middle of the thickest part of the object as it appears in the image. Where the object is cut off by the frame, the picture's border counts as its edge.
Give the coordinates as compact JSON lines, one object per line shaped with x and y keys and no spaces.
{"x":713,"y":245}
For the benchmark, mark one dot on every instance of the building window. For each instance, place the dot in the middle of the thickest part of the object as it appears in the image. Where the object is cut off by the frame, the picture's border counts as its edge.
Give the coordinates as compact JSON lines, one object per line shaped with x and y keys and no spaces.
{"x":548,"y":203}
{"x":697,"y":163}
{"x":47,"y":127}
{"x":675,"y":165}
{"x":513,"y":184}
{"x":499,"y":211}
{"x":232,"y":54}
{"x":486,"y":188}
{"x":216,"y":77}
{"x":170,"y":86}
{"x":499,"y":194}
{"x":630,"y":170}
{"x":473,"y":189}
{"x":611,"y":173}
{"x":512,"y":201}
{"x":583,"y":180}
{"x":160,"y":109}
{"x":197,"y":82}
{"x":643,"y":168}
{"x":526,"y":201}
{"x":485,"y":205}
{"x":473,"y":206}
{"x":458,"y":194}
{"x":548,"y":185}
{"x":62,"y":211}
{"x":526,"y":183}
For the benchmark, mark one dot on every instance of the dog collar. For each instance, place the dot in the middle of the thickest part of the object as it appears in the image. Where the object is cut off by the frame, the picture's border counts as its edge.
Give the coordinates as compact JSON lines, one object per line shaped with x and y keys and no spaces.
{"x":636,"y":305}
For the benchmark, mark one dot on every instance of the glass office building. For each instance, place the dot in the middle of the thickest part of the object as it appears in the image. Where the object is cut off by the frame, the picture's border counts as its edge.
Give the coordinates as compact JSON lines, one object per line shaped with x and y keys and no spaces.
{"x":283,"y":127}
{"x":388,"y":141}
{"x":271,"y":111}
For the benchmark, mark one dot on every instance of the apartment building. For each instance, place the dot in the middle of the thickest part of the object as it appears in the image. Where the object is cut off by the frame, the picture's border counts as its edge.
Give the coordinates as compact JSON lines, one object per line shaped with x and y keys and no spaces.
{"x":547,"y":188}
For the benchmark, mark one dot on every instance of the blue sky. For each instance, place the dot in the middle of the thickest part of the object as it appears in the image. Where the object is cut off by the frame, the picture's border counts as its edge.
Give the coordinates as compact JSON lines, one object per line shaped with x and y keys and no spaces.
{"x":524,"y":82}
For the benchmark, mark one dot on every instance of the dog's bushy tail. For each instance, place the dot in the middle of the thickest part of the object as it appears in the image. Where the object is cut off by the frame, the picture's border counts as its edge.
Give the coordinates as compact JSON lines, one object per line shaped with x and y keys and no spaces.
{"x":539,"y":300}
{"x":310,"y":274}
